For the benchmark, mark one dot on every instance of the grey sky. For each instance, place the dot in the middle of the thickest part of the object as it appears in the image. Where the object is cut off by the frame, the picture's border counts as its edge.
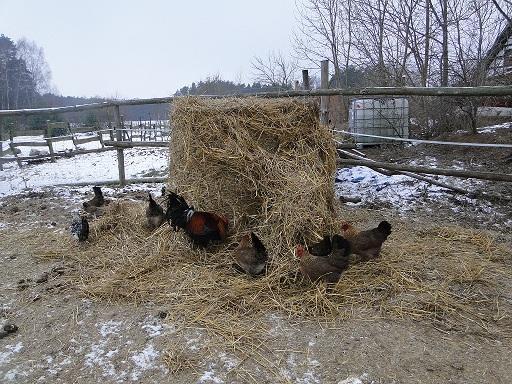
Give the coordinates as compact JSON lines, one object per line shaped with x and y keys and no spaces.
{"x":148,"y":48}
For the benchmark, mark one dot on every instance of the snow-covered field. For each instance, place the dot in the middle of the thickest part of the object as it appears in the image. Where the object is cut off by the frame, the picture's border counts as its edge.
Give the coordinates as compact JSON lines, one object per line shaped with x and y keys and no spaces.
{"x":91,"y":167}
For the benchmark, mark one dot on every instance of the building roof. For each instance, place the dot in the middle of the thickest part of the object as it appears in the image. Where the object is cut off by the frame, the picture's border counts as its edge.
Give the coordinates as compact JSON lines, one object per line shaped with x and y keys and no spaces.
{"x":499,"y":44}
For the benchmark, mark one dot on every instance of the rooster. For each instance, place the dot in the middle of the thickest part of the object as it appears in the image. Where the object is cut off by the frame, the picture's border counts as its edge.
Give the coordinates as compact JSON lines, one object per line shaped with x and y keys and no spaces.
{"x":367,"y":244}
{"x":80,"y":228}
{"x":325,"y":268}
{"x":154,"y":214}
{"x":201,"y":227}
{"x":251,"y":255}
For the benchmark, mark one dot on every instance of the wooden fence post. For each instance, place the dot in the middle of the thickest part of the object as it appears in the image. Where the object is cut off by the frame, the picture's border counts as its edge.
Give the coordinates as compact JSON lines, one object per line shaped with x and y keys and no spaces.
{"x":100,"y":138}
{"x":324,"y":84}
{"x":305,"y":79}
{"x":13,"y":149}
{"x":120,"y":153}
{"x":50,"y":148}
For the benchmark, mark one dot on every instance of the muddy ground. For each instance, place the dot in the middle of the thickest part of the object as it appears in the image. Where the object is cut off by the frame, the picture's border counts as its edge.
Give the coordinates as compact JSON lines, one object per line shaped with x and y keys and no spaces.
{"x":64,"y":337}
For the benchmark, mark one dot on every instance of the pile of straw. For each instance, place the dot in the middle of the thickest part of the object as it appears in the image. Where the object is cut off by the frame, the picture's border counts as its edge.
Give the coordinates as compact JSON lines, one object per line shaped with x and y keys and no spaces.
{"x":268,"y":165}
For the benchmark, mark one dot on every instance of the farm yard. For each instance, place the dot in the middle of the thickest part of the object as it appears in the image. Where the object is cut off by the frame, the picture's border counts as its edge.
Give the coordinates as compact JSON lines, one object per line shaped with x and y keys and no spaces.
{"x":134,"y":305}
{"x":295,"y":192}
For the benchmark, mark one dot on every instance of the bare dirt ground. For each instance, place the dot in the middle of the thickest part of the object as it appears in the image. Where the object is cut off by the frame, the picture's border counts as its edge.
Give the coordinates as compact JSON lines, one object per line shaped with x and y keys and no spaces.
{"x":66,"y":337}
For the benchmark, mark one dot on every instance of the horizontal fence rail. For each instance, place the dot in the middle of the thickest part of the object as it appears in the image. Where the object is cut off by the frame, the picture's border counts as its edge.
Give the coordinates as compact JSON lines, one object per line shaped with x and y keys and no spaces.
{"x":505,"y":90}
{"x":455,"y":143}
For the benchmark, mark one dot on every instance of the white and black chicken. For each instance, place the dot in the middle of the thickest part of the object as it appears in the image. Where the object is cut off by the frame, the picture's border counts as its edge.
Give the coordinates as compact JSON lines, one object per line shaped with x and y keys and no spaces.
{"x":80,"y":228}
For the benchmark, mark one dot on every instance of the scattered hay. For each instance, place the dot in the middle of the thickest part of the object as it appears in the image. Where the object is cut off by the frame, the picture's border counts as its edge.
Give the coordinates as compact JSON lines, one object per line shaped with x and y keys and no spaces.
{"x":452,"y":277}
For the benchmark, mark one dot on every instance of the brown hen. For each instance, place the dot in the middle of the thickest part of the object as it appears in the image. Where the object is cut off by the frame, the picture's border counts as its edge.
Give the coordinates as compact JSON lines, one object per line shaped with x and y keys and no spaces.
{"x":367,"y":244}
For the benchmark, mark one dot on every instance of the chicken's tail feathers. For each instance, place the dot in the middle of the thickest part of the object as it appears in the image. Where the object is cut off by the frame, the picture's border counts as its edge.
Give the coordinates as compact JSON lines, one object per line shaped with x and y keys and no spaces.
{"x":385,"y":227}
{"x":258,"y":245}
{"x":339,"y":242}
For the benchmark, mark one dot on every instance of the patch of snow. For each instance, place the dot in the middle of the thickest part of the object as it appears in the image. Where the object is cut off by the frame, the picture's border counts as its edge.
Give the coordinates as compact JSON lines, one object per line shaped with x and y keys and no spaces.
{"x":400,"y":191}
{"x":351,"y":380}
{"x":14,"y":374}
{"x":5,"y":357}
{"x":144,"y":360}
{"x":493,"y":128}
{"x":292,"y":371}
{"x":111,"y":327}
{"x":99,"y":356}
{"x":209,"y":376}
{"x":355,"y":379}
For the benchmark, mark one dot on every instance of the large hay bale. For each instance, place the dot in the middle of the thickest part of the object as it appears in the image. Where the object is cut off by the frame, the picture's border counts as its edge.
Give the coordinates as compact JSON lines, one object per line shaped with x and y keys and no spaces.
{"x":268,"y":165}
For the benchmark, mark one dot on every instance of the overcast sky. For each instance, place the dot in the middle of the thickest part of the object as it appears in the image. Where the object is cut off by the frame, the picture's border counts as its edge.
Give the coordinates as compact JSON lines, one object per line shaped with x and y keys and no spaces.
{"x":148,"y":48}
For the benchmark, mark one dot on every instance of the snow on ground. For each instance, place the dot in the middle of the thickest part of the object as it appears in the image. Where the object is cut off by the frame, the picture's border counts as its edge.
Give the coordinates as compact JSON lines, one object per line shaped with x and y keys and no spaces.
{"x":82,"y":168}
{"x":493,"y":128}
{"x":406,"y":194}
{"x":487,"y":129}
{"x":399,"y":190}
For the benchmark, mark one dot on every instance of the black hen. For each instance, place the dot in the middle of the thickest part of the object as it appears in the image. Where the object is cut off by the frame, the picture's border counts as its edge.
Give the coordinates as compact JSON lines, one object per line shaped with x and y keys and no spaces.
{"x":322,"y":248}
{"x":154,"y":214}
{"x":97,"y":201}
{"x":340,"y":253}
{"x":80,"y":228}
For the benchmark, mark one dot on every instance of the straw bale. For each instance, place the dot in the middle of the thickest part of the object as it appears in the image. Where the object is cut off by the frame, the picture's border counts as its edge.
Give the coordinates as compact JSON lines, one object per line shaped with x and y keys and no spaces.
{"x":268,"y":165}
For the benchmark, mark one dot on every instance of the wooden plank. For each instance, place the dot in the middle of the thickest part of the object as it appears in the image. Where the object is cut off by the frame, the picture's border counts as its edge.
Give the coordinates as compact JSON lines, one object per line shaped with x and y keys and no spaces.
{"x":305,"y":79}
{"x":50,"y":148}
{"x":13,"y":149}
{"x":57,"y":155}
{"x":358,"y":157}
{"x":431,"y":171}
{"x":131,"y":144}
{"x":59,"y":138}
{"x":30,"y":144}
{"x":142,"y":180}
{"x":100,"y":139}
{"x":85,"y":140}
{"x":38,"y":111}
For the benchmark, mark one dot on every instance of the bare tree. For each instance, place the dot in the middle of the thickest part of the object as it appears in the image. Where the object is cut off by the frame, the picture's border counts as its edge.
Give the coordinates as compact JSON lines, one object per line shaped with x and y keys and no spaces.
{"x":35,"y":60}
{"x":503,"y":12}
{"x":274,"y":70}
{"x":325,"y":32}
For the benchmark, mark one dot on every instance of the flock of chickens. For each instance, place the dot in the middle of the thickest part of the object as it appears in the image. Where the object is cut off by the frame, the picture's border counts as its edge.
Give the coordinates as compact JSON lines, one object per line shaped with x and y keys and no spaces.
{"x":322,"y":261}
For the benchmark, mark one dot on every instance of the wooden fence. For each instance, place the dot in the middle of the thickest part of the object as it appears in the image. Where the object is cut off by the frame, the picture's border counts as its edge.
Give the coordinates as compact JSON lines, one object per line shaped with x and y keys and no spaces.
{"x":120,"y":141}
